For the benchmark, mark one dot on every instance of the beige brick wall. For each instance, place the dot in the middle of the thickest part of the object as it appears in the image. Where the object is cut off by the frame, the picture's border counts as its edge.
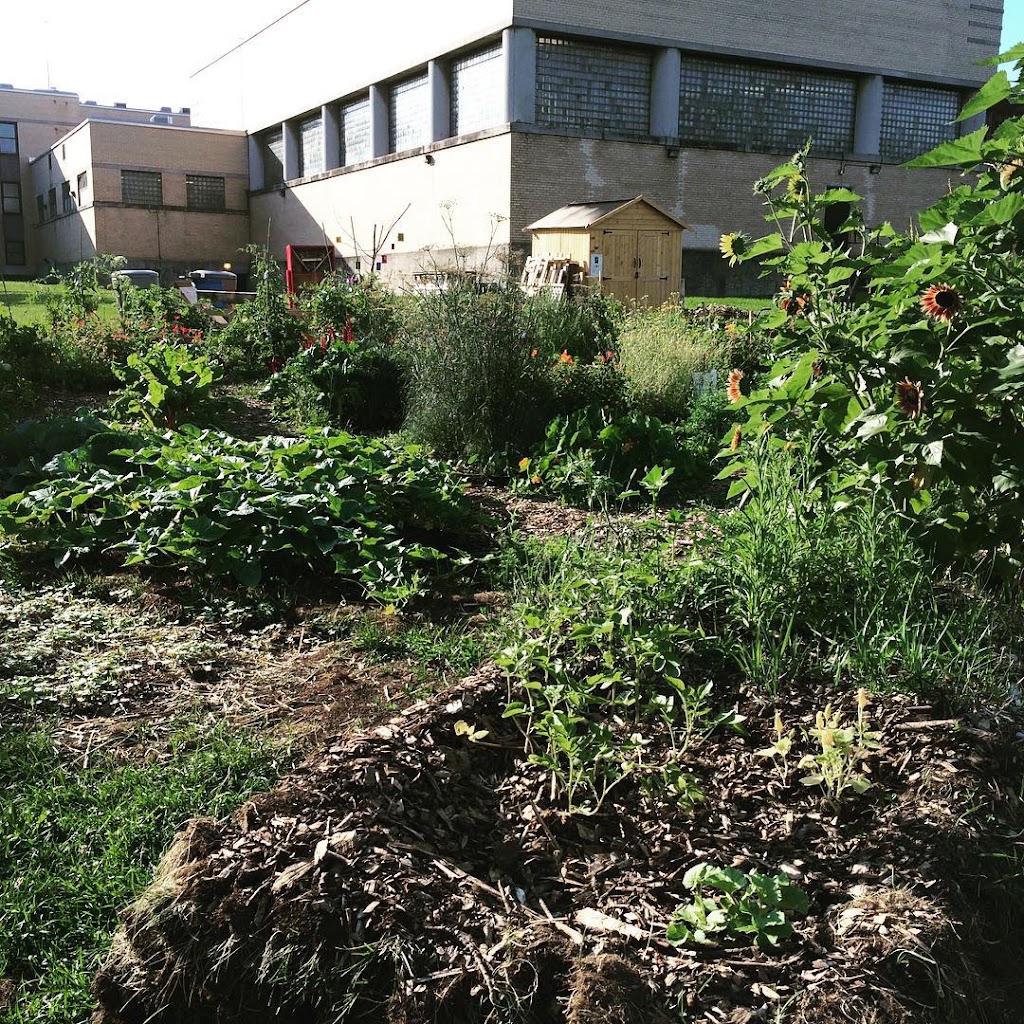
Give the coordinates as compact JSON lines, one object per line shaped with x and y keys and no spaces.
{"x":710,"y":190}
{"x":466,"y":184}
{"x":916,"y":37}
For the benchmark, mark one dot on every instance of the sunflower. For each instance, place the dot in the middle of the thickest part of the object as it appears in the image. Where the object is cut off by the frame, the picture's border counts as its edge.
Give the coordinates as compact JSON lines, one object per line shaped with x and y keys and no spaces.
{"x":733,"y":388}
{"x":796,"y":187}
{"x":1007,"y":172}
{"x":733,"y":247}
{"x":941,"y":302}
{"x":910,"y":397}
{"x":737,"y":437}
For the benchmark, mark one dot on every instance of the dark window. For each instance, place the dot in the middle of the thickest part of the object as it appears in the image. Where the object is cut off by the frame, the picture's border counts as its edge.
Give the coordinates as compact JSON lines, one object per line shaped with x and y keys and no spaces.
{"x":593,"y":87}
{"x":66,"y":202}
{"x":311,"y":146}
{"x":41,"y":208}
{"x":10,"y":197}
{"x":915,"y":118}
{"x":14,"y":253}
{"x":272,"y":151}
{"x":8,"y":137}
{"x":51,"y":203}
{"x":204,"y":192}
{"x":142,"y":188}
{"x":737,"y":105}
{"x":83,"y":184}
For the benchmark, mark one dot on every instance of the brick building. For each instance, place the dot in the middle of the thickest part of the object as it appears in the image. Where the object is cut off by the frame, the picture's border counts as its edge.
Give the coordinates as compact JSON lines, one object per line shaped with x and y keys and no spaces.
{"x":473,"y":120}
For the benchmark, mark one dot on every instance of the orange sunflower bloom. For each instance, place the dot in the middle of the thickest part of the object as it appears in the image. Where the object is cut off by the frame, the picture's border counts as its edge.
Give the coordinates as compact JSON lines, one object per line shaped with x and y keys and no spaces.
{"x":737,"y":436}
{"x":910,"y":397}
{"x":941,"y":302}
{"x":733,"y":389}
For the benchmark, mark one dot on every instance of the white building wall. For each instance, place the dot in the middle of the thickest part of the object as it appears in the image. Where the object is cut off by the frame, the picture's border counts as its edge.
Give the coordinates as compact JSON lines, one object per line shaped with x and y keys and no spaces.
{"x":325,"y":50}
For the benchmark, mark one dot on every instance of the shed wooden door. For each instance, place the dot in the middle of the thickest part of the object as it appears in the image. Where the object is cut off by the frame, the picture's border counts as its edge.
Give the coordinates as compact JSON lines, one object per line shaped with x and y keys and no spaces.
{"x":653,"y":266}
{"x":618,"y":277}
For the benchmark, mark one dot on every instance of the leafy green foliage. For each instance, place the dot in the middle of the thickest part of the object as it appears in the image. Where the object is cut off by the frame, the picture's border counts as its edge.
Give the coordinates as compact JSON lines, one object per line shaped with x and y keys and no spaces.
{"x":901,"y":355}
{"x":216,"y":505}
{"x":582,"y":327}
{"x":165,"y":386}
{"x":745,"y":904}
{"x":839,"y":763}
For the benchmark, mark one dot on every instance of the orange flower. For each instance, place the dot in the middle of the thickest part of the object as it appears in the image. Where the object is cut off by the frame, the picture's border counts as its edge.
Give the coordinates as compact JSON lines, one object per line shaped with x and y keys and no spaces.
{"x":524,"y":464}
{"x":941,"y":302}
{"x":733,"y":389}
{"x":565,"y":357}
{"x":533,"y":353}
{"x":910,"y":397}
{"x":796,"y":305}
{"x":1007,"y":172}
{"x":737,"y":436}
{"x":534,"y":479}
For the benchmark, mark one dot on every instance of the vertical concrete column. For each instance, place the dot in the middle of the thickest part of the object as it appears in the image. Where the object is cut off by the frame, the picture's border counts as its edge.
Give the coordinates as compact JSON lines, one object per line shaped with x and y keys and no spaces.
{"x":256,"y":176}
{"x":290,"y":138}
{"x":668,"y":65}
{"x":519,"y":53}
{"x":867,"y":130}
{"x":440,"y":88}
{"x":332,"y":140}
{"x":380,"y":141}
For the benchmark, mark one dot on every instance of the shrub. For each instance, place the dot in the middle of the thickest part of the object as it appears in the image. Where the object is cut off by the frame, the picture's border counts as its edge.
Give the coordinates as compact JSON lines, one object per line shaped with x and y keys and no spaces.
{"x":474,"y":389}
{"x":357,"y":305}
{"x":584,"y":327}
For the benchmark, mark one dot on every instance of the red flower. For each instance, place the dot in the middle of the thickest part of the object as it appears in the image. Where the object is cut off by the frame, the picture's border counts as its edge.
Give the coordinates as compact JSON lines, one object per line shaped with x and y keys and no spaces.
{"x":910,"y":397}
{"x":733,"y":388}
{"x":941,"y":302}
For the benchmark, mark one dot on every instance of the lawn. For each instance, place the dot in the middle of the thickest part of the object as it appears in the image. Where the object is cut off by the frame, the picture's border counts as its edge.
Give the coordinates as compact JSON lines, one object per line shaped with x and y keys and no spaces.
{"x":25,"y":301}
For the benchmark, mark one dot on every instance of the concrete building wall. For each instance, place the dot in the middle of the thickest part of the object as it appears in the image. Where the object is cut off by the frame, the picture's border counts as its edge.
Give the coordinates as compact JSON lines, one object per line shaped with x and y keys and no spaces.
{"x":322,"y":51}
{"x":169,"y":236}
{"x":916,"y":38}
{"x":709,"y":190}
{"x":462,"y":195}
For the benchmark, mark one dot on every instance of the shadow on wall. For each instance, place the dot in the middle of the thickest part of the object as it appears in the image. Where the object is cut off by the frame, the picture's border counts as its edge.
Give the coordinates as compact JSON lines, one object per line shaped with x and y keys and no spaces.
{"x":706,"y":273}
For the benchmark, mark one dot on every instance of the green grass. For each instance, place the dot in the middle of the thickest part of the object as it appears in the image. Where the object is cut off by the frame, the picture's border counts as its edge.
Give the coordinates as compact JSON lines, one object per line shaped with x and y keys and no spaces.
{"x":694,"y":301}
{"x":77,"y":843}
{"x":25,"y":301}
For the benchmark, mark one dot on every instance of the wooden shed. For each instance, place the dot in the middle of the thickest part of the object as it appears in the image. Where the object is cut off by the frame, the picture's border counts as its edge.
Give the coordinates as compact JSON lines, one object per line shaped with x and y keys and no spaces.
{"x":629,"y":248}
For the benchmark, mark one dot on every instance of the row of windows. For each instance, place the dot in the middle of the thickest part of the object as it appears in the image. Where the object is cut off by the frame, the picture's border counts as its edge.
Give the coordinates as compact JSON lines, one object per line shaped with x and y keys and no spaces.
{"x":11,"y":219}
{"x":138,"y":188}
{"x":476,"y":85}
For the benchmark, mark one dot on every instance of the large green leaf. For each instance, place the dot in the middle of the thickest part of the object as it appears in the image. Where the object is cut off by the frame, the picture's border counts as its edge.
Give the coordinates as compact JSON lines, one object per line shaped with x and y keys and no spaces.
{"x":949,"y":154}
{"x":994,"y":91}
{"x":1004,"y":210}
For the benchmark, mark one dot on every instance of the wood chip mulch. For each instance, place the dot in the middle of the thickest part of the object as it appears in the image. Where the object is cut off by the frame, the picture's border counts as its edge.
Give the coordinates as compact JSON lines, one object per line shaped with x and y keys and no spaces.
{"x":412,"y":875}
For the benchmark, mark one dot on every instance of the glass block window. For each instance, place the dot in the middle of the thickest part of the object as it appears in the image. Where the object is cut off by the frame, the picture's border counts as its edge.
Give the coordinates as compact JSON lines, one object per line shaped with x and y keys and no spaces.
{"x":736,"y":105}
{"x":272,"y":152}
{"x":204,"y":192}
{"x":14,"y":253}
{"x":354,"y":128}
{"x":10,"y":197}
{"x":593,"y":87}
{"x":311,"y":146}
{"x":915,"y":118}
{"x":142,"y":188}
{"x":8,"y":137}
{"x":477,"y":84}
{"x":407,"y":114}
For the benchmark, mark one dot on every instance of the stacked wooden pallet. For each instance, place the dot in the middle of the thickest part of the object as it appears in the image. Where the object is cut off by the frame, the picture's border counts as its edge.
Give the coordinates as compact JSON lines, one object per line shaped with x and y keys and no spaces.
{"x":546,"y":274}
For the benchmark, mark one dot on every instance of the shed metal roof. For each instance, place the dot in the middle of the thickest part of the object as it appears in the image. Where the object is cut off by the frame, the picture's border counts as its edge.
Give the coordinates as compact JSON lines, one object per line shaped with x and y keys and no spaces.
{"x":586,"y":215}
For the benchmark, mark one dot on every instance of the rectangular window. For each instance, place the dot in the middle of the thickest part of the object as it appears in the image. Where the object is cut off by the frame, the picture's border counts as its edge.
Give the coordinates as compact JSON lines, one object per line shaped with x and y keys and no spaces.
{"x":204,"y":192}
{"x":408,"y":114}
{"x":8,"y":137}
{"x":51,"y":203}
{"x":40,"y":208}
{"x":83,"y":184}
{"x":272,"y":151}
{"x":477,"y":91}
{"x":10,"y":197}
{"x":311,"y":146}
{"x":737,"y":105}
{"x":142,"y":188}
{"x":66,"y":202}
{"x":593,"y":87}
{"x":354,"y":129}
{"x":14,"y":253}
{"x":915,"y":118}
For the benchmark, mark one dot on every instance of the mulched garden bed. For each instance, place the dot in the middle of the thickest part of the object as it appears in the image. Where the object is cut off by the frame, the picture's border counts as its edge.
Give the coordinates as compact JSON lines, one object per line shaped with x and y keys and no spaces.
{"x":410,"y":875}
